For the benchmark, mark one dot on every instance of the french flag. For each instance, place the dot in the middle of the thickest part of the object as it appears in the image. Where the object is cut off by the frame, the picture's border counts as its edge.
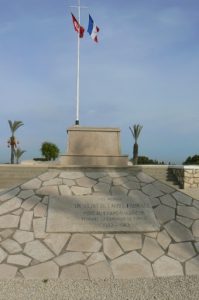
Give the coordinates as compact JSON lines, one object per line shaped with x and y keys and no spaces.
{"x":93,"y":29}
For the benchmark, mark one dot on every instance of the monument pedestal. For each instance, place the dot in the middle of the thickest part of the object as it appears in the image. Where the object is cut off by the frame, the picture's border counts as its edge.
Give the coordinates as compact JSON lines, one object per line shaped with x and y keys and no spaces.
{"x":91,"y":146}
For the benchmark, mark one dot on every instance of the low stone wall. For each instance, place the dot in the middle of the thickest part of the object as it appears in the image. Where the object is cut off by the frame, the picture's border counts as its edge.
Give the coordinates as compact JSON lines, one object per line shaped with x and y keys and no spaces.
{"x":187,"y":176}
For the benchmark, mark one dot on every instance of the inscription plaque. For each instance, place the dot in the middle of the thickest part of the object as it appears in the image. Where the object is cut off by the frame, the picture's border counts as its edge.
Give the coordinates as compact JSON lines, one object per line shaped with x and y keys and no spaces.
{"x":100,"y":214}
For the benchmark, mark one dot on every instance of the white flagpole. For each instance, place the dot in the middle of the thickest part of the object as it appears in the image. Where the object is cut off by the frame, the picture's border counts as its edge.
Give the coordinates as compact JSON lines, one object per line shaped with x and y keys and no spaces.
{"x":78,"y":60}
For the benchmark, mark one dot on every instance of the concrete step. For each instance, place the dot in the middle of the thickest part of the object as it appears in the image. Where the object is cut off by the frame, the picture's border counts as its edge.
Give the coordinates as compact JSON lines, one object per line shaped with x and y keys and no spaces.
{"x":15,"y":175}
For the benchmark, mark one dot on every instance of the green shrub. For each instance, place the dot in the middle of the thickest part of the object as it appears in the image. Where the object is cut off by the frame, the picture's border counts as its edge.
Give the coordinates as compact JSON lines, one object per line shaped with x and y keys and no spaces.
{"x":50,"y":151}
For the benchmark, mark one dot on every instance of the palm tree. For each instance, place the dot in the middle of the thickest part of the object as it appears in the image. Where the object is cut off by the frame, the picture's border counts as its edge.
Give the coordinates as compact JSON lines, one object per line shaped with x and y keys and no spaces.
{"x":18,"y":153}
{"x":12,"y":142}
{"x":135,"y":132}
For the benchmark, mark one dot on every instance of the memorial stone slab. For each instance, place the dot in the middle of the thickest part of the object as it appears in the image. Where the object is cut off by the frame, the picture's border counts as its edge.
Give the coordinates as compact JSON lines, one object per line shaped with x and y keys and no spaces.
{"x":100,"y":214}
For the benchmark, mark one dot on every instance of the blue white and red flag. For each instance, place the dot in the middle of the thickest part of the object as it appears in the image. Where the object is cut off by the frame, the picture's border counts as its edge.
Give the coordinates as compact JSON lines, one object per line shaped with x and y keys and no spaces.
{"x":93,"y":29}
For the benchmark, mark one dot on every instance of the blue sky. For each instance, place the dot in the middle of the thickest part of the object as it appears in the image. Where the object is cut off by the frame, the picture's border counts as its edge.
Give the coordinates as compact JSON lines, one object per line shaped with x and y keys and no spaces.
{"x":145,"y":69}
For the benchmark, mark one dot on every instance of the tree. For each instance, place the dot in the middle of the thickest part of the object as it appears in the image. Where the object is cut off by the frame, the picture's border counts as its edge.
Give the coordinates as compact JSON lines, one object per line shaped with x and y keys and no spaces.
{"x":12,"y":142}
{"x":192,"y":160}
{"x":144,"y":160}
{"x":135,"y":132}
{"x":49,"y":151}
{"x":18,"y":153}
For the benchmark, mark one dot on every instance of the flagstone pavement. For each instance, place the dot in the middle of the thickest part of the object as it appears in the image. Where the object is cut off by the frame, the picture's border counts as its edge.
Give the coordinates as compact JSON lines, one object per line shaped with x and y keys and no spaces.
{"x":28,"y":251}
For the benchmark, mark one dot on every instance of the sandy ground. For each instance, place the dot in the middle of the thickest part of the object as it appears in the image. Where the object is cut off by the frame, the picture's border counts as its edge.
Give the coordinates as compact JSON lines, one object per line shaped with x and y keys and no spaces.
{"x":170,"y":288}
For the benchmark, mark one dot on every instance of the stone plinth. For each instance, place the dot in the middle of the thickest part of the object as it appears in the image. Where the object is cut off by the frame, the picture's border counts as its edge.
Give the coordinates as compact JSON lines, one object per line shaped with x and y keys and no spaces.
{"x":90,"y":146}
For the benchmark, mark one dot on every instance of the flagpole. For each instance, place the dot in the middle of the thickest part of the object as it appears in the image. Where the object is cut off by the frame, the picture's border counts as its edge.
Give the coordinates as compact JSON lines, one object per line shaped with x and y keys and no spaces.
{"x":78,"y":67}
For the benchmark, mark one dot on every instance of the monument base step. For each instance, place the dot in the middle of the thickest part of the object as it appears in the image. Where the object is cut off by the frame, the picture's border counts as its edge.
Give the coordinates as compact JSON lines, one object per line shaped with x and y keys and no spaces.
{"x":94,"y":160}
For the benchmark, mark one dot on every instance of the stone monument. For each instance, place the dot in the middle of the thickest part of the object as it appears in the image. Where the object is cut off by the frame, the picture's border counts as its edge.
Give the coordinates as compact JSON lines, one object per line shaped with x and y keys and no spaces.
{"x":91,"y":146}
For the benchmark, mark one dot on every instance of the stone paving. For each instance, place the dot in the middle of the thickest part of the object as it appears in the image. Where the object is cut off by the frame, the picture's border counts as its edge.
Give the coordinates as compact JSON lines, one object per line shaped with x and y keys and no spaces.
{"x":28,"y":251}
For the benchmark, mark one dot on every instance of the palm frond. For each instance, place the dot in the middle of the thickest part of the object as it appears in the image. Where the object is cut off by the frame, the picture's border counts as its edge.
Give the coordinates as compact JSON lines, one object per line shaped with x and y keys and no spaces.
{"x":15,"y":125}
{"x":136,"y":131}
{"x":18,"y":152}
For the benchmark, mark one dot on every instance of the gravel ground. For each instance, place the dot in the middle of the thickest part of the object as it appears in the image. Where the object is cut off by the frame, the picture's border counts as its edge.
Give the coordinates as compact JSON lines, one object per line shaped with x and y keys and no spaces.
{"x":143,"y":289}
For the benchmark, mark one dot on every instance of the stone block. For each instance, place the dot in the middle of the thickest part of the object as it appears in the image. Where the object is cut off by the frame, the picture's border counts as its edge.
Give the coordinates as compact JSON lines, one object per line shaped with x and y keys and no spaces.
{"x":75,"y":272}
{"x":6,"y":233}
{"x":144,"y":177}
{"x":102,"y":187}
{"x":40,"y":210}
{"x":151,"y":250}
{"x":48,"y":190}
{"x":95,"y":258}
{"x":185,"y":221}
{"x":71,"y":175}
{"x":47,"y":270}
{"x":182,"y":198}
{"x":11,"y":246}
{"x":30,"y":202}
{"x":192,"y":266}
{"x":195,"y":228}
{"x":163,"y":239}
{"x":111,"y":248}
{"x":57,"y":241}
{"x":33,"y":184}
{"x":164,"y":213}
{"x":100,"y":270}
{"x":69,"y":258}
{"x":84,"y":242}
{"x":38,"y":251}
{"x":168,"y":200}
{"x":48,"y":175}
{"x":10,"y":205}
{"x":188,"y":212}
{"x":26,"y":194}
{"x":23,"y":236}
{"x":129,"y":242}
{"x":39,"y":228}
{"x":9,"y":194}
{"x":131,"y":265}
{"x":65,"y":190}
{"x":152,"y":191}
{"x":55,"y":181}
{"x":26,"y":220}
{"x":77,"y":190}
{"x":181,"y":251}
{"x":166,"y":266}
{"x":119,"y":190}
{"x":19,"y":259}
{"x":9,"y":221}
{"x":178,"y":232}
{"x":86,"y":182}
{"x":7,"y":272}
{"x":3,"y":255}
